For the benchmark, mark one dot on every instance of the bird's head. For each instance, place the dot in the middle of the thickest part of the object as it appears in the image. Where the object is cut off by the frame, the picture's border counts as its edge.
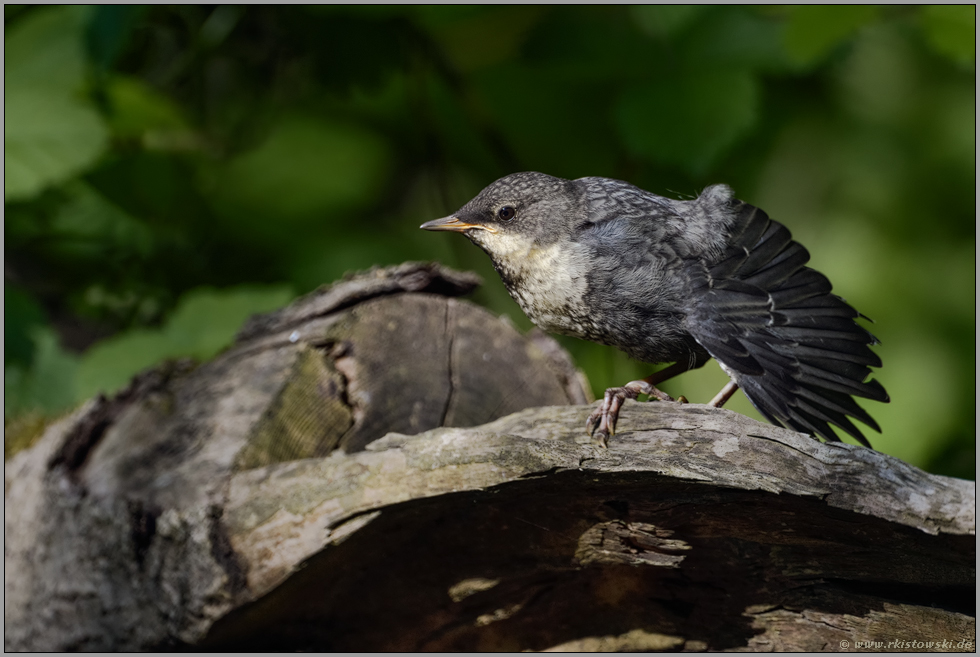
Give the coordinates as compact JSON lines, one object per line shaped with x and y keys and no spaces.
{"x":515,"y":216}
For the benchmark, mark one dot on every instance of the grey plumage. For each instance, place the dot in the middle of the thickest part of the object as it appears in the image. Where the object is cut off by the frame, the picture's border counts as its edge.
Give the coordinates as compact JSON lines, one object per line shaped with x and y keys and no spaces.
{"x":680,"y":281}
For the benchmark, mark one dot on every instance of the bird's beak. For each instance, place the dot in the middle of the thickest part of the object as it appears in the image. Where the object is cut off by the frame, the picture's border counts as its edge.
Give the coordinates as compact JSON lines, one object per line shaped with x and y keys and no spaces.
{"x":451,"y":223}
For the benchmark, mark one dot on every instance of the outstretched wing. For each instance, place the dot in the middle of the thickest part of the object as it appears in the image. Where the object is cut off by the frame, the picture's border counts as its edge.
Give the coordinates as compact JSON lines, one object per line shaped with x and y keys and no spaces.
{"x":792,"y":346}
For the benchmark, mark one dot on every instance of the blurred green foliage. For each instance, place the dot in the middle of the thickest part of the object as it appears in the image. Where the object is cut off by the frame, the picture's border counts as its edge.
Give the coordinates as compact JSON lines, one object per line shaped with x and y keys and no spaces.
{"x":171,"y":169}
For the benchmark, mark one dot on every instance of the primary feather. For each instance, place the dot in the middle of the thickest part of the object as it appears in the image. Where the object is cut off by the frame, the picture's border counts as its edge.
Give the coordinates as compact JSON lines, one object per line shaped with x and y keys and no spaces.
{"x":792,"y":346}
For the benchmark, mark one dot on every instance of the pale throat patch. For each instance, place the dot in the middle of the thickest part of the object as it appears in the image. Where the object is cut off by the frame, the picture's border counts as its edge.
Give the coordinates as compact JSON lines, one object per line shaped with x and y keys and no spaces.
{"x":554,"y":279}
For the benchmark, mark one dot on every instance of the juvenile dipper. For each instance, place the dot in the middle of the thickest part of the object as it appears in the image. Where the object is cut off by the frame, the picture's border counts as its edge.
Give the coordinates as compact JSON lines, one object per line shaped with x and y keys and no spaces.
{"x":678,"y":282}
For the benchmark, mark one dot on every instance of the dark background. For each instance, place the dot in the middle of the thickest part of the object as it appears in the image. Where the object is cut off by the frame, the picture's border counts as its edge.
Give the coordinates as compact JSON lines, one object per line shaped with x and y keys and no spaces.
{"x":170,"y":170}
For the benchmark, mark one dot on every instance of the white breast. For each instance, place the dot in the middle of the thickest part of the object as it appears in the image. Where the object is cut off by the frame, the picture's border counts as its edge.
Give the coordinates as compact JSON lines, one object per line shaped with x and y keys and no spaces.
{"x":552,"y":281}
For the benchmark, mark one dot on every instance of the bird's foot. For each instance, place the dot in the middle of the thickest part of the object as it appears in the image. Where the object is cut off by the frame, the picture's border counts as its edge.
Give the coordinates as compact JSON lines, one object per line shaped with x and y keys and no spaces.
{"x":601,"y":424}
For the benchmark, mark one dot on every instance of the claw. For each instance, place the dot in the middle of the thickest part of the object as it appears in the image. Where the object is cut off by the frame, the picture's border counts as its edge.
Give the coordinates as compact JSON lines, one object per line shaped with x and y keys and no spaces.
{"x":601,"y":423}
{"x":591,"y":423}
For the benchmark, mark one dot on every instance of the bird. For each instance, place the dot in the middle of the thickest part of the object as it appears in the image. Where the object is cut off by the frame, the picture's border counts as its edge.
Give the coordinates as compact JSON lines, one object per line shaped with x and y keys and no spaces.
{"x":679,"y":282}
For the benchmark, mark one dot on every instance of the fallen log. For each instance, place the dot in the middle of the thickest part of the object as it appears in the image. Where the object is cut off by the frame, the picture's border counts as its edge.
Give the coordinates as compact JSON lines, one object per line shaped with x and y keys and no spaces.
{"x":243,"y":504}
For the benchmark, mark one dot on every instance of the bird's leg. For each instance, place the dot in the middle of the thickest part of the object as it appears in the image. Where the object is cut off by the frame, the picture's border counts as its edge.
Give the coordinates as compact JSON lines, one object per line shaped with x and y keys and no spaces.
{"x":725,"y":394}
{"x":602,"y":422}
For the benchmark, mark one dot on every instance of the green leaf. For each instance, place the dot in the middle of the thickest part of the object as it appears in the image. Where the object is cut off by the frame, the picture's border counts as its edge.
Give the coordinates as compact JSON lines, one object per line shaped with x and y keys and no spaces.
{"x":688,"y":118}
{"x":48,"y":138}
{"x":45,"y":49}
{"x":110,"y":364}
{"x":737,"y":37}
{"x":48,"y":385}
{"x":952,"y":31}
{"x":814,"y":30}
{"x":204,"y":322}
{"x":136,"y":108}
{"x":665,"y":21}
{"x":88,"y":225}
{"x":50,"y":133}
{"x":306,"y":167}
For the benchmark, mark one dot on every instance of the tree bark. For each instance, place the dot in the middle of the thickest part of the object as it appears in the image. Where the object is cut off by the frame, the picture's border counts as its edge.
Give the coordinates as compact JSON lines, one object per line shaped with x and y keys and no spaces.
{"x":252,"y":503}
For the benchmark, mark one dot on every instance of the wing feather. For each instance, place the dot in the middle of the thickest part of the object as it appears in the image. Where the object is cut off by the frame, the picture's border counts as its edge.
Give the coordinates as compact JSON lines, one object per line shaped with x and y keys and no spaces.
{"x":794,"y":347}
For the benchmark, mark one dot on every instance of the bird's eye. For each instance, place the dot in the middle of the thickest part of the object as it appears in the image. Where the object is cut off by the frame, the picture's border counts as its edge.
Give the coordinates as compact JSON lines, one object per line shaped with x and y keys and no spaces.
{"x":506,"y":213}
